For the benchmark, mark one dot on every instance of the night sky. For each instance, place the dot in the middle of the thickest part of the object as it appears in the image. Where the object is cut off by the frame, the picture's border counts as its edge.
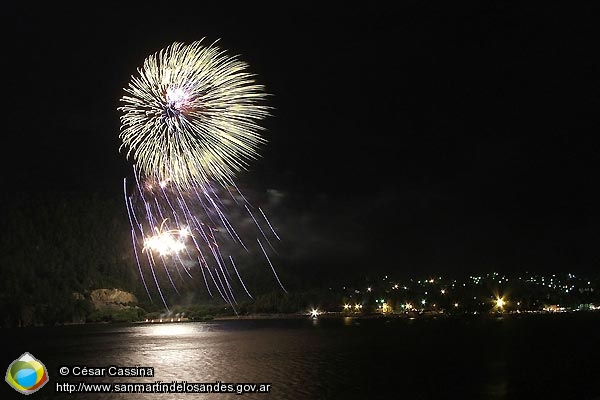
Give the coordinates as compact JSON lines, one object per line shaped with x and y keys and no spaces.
{"x":420,"y":139}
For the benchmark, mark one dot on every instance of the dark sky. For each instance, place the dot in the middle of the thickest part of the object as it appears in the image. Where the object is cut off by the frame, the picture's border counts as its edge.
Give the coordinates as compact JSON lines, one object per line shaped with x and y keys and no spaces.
{"x":418,"y":139}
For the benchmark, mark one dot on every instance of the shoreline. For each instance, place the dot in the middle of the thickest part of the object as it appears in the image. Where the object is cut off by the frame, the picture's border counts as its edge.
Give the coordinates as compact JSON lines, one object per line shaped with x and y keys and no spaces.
{"x":416,"y":316}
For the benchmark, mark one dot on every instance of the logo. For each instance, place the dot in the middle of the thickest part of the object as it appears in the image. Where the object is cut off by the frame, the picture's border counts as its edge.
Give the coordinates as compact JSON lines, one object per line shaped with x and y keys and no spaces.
{"x":27,"y":374}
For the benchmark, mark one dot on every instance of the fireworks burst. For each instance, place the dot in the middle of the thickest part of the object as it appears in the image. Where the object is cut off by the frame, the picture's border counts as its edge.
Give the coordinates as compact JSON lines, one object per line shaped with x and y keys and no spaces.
{"x":191,"y":115}
{"x":190,"y":122}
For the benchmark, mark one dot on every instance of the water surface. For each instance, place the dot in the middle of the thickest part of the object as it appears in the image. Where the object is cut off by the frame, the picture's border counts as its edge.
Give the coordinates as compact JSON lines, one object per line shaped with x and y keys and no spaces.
{"x":529,"y":357}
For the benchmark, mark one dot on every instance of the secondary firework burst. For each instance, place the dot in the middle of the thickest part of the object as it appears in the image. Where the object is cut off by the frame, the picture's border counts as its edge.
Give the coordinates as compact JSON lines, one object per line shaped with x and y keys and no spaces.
{"x":191,"y":123}
{"x":192,"y":115}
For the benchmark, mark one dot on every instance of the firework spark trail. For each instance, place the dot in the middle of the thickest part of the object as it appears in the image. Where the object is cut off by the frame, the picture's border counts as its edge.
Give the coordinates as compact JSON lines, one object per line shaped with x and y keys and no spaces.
{"x":232,"y":195}
{"x":156,"y":281}
{"x":162,"y":188}
{"x":133,"y":239}
{"x":270,"y":264}
{"x":185,"y":211}
{"x":190,"y":122}
{"x":167,"y":271}
{"x":137,"y":259}
{"x":239,"y":277}
{"x":177,"y":258}
{"x":216,"y":210}
{"x":225,"y":222}
{"x":268,"y":223}
{"x":217,"y":285}
{"x":204,"y":276}
{"x":183,"y":265}
{"x":223,"y":293}
{"x":159,"y":210}
{"x":229,"y":288}
{"x":220,"y":263}
{"x":259,"y":227}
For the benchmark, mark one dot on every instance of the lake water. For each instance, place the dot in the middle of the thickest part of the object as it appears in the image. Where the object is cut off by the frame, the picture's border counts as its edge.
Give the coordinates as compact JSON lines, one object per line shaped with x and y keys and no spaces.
{"x":524,"y":357}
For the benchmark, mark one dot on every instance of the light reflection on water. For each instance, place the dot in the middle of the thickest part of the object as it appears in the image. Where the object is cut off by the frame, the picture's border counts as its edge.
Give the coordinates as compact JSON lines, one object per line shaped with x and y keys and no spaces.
{"x":318,"y":358}
{"x":168,"y":329}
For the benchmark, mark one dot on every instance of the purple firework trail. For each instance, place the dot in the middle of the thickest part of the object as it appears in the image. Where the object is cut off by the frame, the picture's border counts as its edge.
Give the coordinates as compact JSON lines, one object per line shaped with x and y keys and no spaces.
{"x":181,"y":232}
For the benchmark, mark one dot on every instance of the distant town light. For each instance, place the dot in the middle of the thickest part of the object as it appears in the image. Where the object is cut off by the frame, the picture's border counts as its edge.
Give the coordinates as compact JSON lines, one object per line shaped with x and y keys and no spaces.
{"x":500,"y":302}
